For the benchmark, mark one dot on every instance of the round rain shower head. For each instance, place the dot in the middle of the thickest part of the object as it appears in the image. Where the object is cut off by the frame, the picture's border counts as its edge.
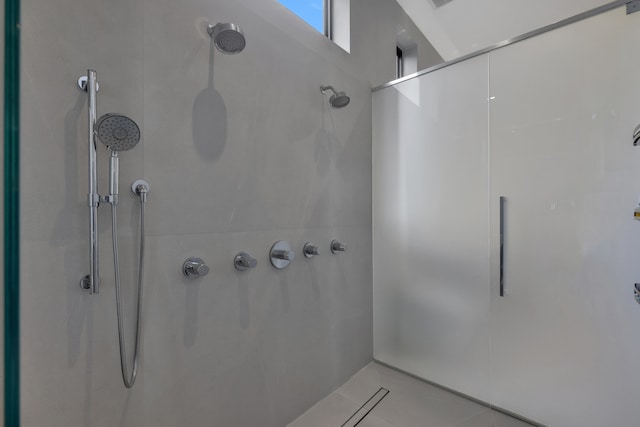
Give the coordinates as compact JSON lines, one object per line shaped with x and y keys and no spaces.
{"x":117,"y":132}
{"x":228,"y":38}
{"x":338,"y":99}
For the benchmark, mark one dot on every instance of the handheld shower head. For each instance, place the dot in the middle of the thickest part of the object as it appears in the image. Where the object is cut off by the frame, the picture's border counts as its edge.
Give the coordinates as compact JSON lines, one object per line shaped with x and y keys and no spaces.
{"x":228,"y":38}
{"x":338,"y":99}
{"x":117,"y":132}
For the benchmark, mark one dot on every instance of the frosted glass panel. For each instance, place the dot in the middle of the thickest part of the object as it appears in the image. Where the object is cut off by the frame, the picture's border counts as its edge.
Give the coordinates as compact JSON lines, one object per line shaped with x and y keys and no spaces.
{"x":565,"y":337}
{"x":431,"y":271}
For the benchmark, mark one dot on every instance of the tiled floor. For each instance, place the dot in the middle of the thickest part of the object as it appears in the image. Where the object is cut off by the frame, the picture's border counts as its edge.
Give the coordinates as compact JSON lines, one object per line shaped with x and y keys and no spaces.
{"x":410,"y":403}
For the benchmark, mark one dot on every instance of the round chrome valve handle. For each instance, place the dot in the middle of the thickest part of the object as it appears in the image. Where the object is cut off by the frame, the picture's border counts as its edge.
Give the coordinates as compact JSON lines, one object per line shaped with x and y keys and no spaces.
{"x":309,"y":250}
{"x":195,"y":267}
{"x":336,"y":246}
{"x":243,"y":261}
{"x":281,"y":254}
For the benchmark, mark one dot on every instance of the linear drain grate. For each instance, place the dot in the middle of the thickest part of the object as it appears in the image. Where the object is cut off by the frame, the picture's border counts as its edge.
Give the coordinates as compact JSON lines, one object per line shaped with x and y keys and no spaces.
{"x":364,"y":410}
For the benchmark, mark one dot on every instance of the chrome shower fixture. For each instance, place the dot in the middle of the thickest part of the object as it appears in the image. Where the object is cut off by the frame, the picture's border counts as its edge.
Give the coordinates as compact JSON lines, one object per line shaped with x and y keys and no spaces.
{"x":338,"y":99}
{"x":636,"y":136}
{"x":118,"y":133}
{"x":243,"y":261}
{"x":337,"y":246}
{"x":91,"y":281}
{"x":281,"y":254}
{"x":228,"y":38}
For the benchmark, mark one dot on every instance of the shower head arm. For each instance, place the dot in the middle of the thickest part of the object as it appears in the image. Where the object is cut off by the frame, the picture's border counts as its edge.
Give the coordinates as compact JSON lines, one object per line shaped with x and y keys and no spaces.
{"x":323,"y":89}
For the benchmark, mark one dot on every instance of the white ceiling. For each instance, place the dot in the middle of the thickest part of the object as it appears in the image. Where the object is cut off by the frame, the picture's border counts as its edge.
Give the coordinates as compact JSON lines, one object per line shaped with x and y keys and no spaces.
{"x":464,"y":26}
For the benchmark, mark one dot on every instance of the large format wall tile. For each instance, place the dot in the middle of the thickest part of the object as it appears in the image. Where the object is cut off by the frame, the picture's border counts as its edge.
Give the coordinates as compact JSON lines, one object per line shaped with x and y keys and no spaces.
{"x":240,"y":151}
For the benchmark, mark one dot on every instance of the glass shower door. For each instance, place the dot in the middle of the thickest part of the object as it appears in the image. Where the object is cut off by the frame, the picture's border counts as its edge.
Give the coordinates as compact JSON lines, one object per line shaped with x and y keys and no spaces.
{"x":431,"y":240}
{"x":564,"y":336}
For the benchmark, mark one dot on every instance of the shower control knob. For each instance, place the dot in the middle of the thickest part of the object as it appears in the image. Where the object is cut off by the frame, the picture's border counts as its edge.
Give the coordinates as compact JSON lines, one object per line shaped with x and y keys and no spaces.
{"x":194,"y":267}
{"x":336,"y":246}
{"x":309,"y":250}
{"x":281,"y":254}
{"x":243,"y":261}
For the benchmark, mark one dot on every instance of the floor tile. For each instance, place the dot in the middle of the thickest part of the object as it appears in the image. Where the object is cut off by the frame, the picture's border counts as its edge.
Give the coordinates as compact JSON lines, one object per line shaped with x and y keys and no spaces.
{"x":490,"y":418}
{"x":373,"y":421}
{"x":332,"y":411}
{"x":410,"y":403}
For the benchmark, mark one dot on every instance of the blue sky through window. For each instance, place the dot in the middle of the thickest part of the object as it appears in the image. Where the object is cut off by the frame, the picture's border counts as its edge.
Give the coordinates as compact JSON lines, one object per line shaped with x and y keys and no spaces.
{"x":309,"y":10}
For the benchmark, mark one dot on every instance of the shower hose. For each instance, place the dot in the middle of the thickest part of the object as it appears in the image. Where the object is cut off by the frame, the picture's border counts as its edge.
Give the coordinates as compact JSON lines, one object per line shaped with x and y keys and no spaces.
{"x":128,"y":378}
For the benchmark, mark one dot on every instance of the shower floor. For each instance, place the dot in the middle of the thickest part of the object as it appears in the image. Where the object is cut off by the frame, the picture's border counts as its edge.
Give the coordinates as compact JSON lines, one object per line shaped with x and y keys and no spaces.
{"x":409,"y":403}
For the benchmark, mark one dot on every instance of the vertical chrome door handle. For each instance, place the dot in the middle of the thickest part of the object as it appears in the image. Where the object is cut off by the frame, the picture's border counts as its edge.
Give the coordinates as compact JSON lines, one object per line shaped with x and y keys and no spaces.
{"x":503,"y":201}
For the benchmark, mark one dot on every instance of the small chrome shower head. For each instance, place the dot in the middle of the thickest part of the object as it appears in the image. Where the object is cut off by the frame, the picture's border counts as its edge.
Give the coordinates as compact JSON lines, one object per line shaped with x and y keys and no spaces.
{"x":636,"y":136}
{"x":338,"y":99}
{"x":117,"y":132}
{"x":228,"y":38}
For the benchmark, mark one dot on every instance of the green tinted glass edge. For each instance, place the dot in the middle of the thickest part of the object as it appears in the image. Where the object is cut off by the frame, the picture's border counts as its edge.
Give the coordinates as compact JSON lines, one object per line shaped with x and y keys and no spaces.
{"x":12,"y":214}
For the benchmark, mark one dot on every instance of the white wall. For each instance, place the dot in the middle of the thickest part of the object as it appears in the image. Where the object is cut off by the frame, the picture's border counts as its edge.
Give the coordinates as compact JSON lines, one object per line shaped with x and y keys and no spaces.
{"x":368,"y":43}
{"x":240,"y":151}
{"x":563,"y":340}
{"x":464,"y":26}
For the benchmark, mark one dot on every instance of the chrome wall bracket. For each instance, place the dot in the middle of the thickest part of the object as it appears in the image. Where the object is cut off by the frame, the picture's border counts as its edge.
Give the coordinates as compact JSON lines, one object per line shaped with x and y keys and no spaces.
{"x":139,"y":185}
{"x":633,"y":6}
{"x":85,"y":283}
{"x":93,"y":200}
{"x":82,"y":83}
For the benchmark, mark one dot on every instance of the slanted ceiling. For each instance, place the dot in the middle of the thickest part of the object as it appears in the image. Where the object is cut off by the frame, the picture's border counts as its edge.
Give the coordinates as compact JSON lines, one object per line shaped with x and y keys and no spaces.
{"x":458,"y":27}
{"x":440,"y":3}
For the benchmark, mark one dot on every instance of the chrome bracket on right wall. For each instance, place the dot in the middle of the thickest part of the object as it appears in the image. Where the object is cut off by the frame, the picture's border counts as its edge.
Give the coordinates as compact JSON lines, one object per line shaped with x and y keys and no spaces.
{"x":633,"y":6}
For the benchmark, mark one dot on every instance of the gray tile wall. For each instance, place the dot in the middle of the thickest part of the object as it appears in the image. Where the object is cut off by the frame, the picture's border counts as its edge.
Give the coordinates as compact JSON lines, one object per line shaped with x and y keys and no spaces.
{"x":240,"y":151}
